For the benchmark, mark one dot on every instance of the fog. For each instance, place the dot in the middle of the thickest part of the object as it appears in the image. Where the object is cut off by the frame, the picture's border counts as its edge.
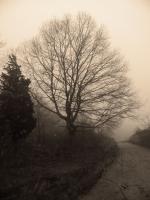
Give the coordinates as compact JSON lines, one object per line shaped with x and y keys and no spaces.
{"x":127,"y":24}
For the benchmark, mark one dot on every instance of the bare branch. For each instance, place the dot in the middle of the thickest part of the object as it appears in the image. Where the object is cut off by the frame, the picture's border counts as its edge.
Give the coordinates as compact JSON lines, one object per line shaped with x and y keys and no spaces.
{"x":77,"y":73}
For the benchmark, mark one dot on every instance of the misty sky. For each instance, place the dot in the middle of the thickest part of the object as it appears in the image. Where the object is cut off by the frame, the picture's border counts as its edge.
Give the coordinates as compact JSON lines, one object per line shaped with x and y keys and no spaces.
{"x":127,"y":23}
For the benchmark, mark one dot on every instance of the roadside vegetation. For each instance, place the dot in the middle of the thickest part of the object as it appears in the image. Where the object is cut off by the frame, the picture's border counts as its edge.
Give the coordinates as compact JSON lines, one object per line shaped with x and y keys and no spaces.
{"x":141,"y":137}
{"x":57,"y":168}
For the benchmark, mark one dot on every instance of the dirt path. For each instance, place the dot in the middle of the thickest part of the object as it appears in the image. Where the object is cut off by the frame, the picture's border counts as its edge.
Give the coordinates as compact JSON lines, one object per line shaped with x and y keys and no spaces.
{"x":127,"y":179}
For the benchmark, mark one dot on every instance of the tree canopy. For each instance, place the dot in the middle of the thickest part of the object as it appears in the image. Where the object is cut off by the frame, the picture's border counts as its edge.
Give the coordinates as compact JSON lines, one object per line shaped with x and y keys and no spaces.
{"x":75,"y":73}
{"x":16,"y":107}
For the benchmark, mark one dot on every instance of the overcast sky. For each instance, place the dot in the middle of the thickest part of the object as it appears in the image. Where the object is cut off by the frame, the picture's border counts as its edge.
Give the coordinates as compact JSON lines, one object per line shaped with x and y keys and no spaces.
{"x":127,"y":22}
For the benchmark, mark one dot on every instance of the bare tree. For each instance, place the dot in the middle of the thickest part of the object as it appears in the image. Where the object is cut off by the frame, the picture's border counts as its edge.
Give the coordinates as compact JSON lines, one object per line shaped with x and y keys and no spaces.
{"x":76,"y":74}
{"x":2,"y":44}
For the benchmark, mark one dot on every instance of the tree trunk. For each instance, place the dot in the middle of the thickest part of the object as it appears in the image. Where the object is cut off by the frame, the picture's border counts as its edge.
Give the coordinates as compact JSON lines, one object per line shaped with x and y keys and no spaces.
{"x":71,"y":128}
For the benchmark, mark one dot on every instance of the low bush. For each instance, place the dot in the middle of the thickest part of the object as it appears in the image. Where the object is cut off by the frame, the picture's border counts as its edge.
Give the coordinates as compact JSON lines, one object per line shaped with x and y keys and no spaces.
{"x":141,"y":137}
{"x":63,"y":167}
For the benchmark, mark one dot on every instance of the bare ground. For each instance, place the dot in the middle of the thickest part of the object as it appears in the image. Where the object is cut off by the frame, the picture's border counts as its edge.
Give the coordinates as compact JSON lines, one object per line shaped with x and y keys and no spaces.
{"x":127,"y":179}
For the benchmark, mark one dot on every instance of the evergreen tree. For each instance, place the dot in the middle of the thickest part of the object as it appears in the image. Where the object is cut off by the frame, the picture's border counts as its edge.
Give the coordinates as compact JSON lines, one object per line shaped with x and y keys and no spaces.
{"x":16,"y":107}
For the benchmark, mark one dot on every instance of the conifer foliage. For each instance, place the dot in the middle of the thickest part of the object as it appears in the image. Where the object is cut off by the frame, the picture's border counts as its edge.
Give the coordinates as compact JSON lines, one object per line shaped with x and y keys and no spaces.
{"x":16,"y":107}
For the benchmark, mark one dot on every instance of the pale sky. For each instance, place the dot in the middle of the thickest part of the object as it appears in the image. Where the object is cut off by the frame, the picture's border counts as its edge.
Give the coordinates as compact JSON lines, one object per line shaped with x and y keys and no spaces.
{"x":127,"y":23}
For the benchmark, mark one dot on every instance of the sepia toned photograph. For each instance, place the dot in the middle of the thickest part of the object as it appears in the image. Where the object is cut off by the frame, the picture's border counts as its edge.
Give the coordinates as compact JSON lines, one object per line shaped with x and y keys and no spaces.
{"x":74,"y":100}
